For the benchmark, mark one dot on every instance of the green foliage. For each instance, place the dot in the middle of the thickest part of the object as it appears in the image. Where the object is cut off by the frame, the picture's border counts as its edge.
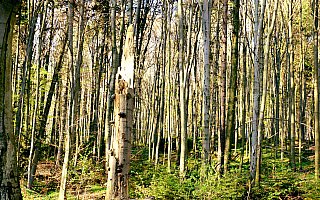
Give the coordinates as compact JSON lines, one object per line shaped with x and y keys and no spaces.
{"x":313,"y":188}
{"x":87,"y":172}
{"x":283,"y":186}
{"x":149,"y":181}
{"x":278,"y":181}
{"x":230,"y":186}
{"x":168,"y":186}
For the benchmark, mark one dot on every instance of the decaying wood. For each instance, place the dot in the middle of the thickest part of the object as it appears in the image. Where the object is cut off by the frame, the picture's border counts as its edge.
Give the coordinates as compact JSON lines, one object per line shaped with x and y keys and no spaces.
{"x":119,"y":166}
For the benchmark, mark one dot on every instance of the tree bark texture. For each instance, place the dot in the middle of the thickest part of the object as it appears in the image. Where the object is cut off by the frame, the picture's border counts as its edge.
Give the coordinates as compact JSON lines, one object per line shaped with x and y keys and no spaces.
{"x":109,"y":110}
{"x":9,"y":176}
{"x":206,"y":84}
{"x":264,"y":84}
{"x":222,"y":132}
{"x":182,"y":90}
{"x":292,"y":89}
{"x":316,"y":90}
{"x":256,"y":137}
{"x":119,"y":153}
{"x":231,"y":115}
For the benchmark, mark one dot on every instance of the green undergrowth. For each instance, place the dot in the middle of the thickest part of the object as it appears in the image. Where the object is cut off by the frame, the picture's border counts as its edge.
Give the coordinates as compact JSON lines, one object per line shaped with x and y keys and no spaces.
{"x":90,"y":192}
{"x":278,"y":181}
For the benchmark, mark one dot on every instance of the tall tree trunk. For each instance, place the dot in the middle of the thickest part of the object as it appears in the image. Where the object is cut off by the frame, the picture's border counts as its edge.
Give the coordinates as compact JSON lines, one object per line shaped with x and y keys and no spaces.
{"x":110,"y":98}
{"x":221,"y":142}
{"x":264,"y":85}
{"x":97,"y":95}
{"x":206,"y":24}
{"x":231,"y":117}
{"x":63,"y":110}
{"x":76,"y":85}
{"x":256,"y":138}
{"x":118,"y":172}
{"x":302,"y":91}
{"x":163,"y":75}
{"x":243,"y":100}
{"x":9,"y":176}
{"x":182,"y":90}
{"x":26,"y":68}
{"x":292,"y":89}
{"x":316,"y":89}
{"x":73,"y":106}
{"x":35,"y":115}
{"x":44,"y":117}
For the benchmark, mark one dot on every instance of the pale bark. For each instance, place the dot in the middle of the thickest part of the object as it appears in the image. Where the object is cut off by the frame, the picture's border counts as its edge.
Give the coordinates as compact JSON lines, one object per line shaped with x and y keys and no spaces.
{"x":55,"y":78}
{"x":316,"y":89}
{"x":256,"y":138}
{"x":170,"y":101}
{"x":292,"y":89}
{"x":264,"y":85}
{"x":30,"y":174}
{"x":63,"y":108}
{"x":73,"y":106}
{"x":118,"y":171}
{"x":163,"y":74}
{"x":302,"y":91}
{"x":206,"y":84}
{"x":182,"y":91}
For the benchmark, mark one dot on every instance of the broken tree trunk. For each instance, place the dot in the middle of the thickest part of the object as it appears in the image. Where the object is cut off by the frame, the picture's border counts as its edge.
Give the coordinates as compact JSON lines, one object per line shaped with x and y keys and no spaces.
{"x":119,"y":166}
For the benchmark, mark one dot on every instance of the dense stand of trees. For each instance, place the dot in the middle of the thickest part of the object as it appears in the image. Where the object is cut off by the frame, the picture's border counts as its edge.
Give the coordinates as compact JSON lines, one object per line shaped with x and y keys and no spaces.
{"x":214,"y":79}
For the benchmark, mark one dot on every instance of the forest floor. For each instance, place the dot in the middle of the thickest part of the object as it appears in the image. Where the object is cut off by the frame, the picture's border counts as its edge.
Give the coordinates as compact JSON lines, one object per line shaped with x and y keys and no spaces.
{"x":87,"y":180}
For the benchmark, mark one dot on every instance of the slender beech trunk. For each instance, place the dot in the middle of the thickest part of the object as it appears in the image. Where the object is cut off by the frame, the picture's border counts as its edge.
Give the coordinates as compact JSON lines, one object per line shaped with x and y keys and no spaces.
{"x":70,"y":36}
{"x":316,"y":89}
{"x":73,"y":108}
{"x":292,"y":89}
{"x":256,"y":138}
{"x":264,"y":85}
{"x":231,"y":116}
{"x":170,"y":101}
{"x":63,"y":108}
{"x":95,"y":122}
{"x":302,"y":91}
{"x":221,"y":142}
{"x":182,"y":90}
{"x":26,"y":67}
{"x":277,"y":91}
{"x":163,"y":74}
{"x":110,"y":98}
{"x":244,"y":92}
{"x":35,"y":115}
{"x":206,"y":81}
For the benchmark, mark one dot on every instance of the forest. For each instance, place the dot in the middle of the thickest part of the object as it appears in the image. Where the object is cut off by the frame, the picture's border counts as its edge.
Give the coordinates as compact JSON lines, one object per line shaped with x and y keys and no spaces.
{"x":159,"y":99}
